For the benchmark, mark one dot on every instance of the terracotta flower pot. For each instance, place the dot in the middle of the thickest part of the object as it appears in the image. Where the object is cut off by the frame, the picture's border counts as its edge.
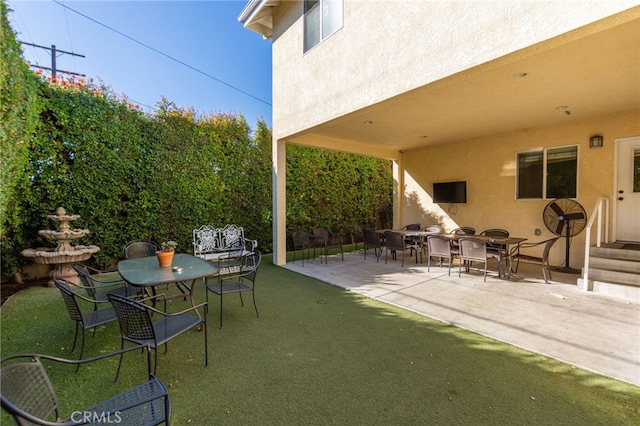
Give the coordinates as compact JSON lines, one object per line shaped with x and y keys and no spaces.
{"x":165,"y":258}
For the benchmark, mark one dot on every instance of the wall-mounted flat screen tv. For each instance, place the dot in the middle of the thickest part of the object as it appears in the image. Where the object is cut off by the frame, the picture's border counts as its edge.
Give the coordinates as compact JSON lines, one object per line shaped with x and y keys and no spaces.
{"x":450,"y":192}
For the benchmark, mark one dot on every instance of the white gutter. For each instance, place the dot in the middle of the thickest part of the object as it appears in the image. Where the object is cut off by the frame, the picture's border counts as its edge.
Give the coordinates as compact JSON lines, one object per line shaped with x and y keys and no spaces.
{"x":250,"y":9}
{"x":256,"y":16}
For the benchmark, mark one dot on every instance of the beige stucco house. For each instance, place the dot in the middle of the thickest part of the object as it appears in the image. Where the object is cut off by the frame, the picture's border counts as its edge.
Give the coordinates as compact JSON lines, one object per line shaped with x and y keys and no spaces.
{"x":474,"y":91}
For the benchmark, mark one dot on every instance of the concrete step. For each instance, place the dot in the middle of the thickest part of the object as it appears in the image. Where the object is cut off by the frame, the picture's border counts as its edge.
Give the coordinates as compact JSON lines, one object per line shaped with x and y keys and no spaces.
{"x":610,"y":264}
{"x":615,"y":253}
{"x":617,"y":277}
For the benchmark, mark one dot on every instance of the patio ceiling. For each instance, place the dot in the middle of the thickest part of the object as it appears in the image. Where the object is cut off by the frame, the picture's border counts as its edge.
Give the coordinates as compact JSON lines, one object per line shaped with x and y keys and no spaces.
{"x":593,"y":70}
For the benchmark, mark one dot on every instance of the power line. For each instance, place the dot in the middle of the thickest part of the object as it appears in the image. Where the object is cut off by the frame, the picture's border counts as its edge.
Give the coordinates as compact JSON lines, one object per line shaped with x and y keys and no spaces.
{"x":54,"y":56}
{"x":66,"y":21}
{"x":163,"y":54}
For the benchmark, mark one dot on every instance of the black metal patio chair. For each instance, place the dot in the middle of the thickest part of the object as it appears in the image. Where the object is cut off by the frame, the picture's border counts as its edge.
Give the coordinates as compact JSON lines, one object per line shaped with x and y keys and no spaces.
{"x":140,"y":248}
{"x":85,"y":319}
{"x":29,"y":395}
{"x":137,"y":325}
{"x":301,"y":242}
{"x":98,"y":283}
{"x":324,"y":241}
{"x":241,"y":278}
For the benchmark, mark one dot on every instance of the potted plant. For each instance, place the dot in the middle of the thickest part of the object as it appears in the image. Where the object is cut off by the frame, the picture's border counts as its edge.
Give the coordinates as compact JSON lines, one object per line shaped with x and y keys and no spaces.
{"x":165,"y":254}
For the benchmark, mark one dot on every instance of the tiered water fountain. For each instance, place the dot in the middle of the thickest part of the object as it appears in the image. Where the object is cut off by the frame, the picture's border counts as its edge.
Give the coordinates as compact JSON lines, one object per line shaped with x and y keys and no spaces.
{"x":64,"y":255}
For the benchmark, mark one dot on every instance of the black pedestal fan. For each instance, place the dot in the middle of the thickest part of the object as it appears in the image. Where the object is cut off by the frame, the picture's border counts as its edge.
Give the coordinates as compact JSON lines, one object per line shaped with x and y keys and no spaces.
{"x":565,"y":217}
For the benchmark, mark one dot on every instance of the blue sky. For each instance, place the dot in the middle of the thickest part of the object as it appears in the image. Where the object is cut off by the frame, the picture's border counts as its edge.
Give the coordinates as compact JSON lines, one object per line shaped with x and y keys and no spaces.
{"x":204,"y":35}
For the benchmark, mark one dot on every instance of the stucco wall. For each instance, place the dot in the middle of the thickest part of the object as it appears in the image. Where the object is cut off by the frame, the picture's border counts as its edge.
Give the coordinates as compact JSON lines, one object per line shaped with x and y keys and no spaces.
{"x":389,"y":47}
{"x":488,"y":166}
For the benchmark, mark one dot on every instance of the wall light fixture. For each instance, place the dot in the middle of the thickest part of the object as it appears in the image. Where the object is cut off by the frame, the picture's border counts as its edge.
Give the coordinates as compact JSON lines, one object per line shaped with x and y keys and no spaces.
{"x":596,"y":141}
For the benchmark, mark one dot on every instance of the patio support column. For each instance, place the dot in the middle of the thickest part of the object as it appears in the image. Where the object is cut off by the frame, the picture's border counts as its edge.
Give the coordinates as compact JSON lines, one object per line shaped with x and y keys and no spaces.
{"x":398,"y":199}
{"x":279,"y":184}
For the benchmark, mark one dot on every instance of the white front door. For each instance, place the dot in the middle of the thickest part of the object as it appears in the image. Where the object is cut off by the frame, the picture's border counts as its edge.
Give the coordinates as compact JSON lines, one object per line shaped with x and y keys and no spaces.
{"x":627,"y":197}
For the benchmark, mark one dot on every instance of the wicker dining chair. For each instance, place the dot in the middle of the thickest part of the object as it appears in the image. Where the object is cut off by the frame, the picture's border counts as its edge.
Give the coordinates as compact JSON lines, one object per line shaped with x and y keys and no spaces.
{"x":495,"y":232}
{"x":464,"y":230}
{"x":496,"y":248}
{"x":358,"y":234}
{"x":394,"y":243}
{"x":433,"y":229}
{"x":542,"y":260}
{"x":372,"y":240}
{"x":439,"y":247}
{"x":474,"y":250}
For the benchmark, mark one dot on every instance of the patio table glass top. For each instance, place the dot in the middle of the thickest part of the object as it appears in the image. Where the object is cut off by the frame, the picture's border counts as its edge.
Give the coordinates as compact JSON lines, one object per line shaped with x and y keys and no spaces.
{"x":145,"y":271}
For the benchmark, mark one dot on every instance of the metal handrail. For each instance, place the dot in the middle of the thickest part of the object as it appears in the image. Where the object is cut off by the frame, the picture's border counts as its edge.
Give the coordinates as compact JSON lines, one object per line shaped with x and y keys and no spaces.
{"x":596,"y":214}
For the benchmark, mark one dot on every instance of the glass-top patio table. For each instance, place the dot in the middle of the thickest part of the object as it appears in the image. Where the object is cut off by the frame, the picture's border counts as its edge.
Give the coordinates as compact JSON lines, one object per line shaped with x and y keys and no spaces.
{"x":146,"y":272}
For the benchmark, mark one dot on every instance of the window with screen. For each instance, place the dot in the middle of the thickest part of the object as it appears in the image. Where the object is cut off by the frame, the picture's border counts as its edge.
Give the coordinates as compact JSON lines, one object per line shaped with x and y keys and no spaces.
{"x":321,"y":19}
{"x":548,"y":173}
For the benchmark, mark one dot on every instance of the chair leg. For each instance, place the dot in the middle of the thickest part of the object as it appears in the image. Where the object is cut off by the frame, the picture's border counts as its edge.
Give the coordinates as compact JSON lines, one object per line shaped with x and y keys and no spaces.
{"x":220,"y":306}
{"x":545,"y":269}
{"x":81,"y":350}
{"x":155,"y":359}
{"x":253,"y":293}
{"x":120,"y":362}
{"x":75,"y":337}
{"x":206,"y":341}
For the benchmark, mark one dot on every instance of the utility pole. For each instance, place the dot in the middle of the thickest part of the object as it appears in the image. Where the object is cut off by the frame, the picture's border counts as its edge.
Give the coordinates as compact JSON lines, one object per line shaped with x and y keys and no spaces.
{"x":54,"y":55}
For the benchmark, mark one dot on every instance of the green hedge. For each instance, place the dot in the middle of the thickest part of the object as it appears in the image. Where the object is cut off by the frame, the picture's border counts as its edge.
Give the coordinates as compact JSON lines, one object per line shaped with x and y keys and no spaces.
{"x":130,"y":175}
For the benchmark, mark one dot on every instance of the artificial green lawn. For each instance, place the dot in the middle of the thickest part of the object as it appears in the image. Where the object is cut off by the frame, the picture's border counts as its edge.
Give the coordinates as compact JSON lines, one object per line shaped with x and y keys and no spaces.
{"x":320,"y":355}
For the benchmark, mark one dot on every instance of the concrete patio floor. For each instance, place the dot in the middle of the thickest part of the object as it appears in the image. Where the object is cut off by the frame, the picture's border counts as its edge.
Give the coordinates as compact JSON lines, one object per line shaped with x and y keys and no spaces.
{"x":591,"y":331}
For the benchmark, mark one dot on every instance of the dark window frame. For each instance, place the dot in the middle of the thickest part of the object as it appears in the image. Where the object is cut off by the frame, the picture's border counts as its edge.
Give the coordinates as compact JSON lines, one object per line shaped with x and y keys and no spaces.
{"x":547,"y":173}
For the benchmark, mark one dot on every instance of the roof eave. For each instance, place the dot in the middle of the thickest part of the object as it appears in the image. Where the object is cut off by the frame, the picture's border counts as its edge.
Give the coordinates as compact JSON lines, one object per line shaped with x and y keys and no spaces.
{"x":256,"y":16}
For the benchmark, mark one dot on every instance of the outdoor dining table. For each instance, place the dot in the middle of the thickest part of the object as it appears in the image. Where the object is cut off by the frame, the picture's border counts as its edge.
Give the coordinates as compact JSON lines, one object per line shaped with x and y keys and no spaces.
{"x":500,"y":243}
{"x":407,"y":233}
{"x":146,"y":272}
{"x":420,"y":236}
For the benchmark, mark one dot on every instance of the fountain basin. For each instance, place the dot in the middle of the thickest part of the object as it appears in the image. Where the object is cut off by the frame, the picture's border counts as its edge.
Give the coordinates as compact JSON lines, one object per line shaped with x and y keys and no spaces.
{"x":63,"y":234}
{"x":51,"y":256}
{"x":64,"y":255}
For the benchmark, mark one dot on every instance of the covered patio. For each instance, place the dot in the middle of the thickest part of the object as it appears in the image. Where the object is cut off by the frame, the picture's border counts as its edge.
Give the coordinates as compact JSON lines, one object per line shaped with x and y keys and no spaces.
{"x":588,"y":330}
